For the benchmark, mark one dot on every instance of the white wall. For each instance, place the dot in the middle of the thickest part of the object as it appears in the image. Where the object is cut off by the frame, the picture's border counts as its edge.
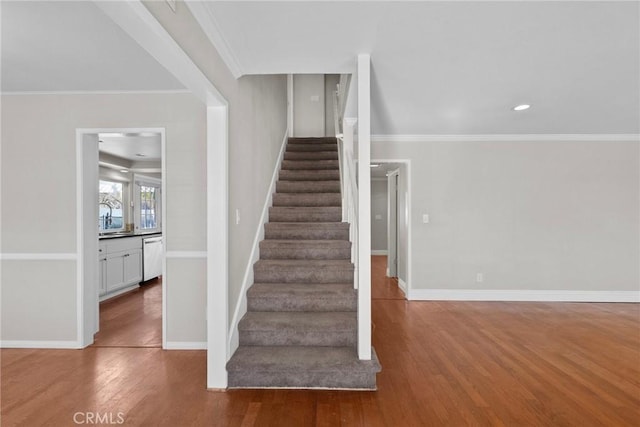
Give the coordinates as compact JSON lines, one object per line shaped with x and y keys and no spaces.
{"x":38,"y":179}
{"x":379,"y":215}
{"x":257,"y":126}
{"x":308,"y":105}
{"x":330,"y":83}
{"x":528,"y":215}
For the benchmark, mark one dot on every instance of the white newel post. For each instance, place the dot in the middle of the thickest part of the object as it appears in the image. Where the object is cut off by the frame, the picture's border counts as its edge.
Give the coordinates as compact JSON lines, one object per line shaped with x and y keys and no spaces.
{"x":364,"y":208}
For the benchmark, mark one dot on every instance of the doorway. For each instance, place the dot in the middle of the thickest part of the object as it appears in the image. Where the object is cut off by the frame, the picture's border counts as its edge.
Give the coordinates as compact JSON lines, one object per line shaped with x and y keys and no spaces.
{"x":121,"y":177}
{"x":393,"y":264}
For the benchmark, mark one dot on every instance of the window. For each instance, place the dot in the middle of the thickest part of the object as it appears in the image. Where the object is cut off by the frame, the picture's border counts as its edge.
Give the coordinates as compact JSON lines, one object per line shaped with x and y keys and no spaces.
{"x":110,"y":216}
{"x":148,"y":207}
{"x":147,"y":200}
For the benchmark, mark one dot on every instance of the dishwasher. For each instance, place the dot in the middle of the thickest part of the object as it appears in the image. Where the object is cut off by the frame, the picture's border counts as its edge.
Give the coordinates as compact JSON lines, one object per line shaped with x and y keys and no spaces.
{"x":152,"y":257}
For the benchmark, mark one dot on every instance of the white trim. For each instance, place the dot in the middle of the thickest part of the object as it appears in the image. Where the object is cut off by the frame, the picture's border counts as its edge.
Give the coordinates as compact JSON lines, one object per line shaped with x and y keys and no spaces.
{"x":185,"y":345}
{"x":40,"y":344}
{"x":217,"y":295}
{"x":98,"y":92}
{"x":32,"y":256}
{"x":290,"y":104}
{"x":403,"y":287}
{"x":522,"y":295}
{"x":363,"y":265}
{"x":247,"y":280}
{"x":379,"y":252}
{"x":507,"y":138}
{"x":202,"y":13}
{"x":186,"y":254}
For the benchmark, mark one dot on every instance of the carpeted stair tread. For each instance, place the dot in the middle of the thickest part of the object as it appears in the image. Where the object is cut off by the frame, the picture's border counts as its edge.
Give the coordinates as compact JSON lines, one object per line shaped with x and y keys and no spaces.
{"x":307,"y":230}
{"x":298,"y":328}
{"x":302,"y":367}
{"x":308,"y":186}
{"x":311,"y":147}
{"x":309,"y":175}
{"x":302,"y":297}
{"x":307,"y":199}
{"x":305,"y":271}
{"x":310,"y":164}
{"x":305,"y":249}
{"x":310,"y":155}
{"x":305,"y":214}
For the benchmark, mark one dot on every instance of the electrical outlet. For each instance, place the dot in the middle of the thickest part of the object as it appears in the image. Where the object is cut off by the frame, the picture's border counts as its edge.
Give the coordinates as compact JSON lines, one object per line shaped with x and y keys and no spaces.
{"x":425,"y":218}
{"x":479,"y":277}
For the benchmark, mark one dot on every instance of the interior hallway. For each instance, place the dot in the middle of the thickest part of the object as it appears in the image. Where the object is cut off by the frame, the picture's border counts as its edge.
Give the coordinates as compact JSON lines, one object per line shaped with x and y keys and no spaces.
{"x":443,"y":363}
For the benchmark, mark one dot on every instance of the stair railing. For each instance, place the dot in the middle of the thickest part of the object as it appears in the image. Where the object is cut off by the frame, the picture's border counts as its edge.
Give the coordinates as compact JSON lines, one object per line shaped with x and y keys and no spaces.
{"x":355,"y":174}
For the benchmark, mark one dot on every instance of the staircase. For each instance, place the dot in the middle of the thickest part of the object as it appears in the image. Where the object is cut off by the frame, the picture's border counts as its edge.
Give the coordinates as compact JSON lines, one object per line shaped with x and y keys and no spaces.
{"x":300,"y":329}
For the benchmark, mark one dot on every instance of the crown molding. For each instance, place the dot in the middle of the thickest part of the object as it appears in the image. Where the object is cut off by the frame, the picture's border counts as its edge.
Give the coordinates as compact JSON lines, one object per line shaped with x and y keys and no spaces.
{"x":201,"y":12}
{"x":98,"y":92}
{"x":508,"y":138}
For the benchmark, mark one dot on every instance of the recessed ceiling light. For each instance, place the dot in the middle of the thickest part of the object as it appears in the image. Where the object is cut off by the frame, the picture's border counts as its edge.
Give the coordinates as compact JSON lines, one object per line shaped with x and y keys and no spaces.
{"x":124,"y":170}
{"x":373,"y":165}
{"x":522,"y":107}
{"x":140,"y":155}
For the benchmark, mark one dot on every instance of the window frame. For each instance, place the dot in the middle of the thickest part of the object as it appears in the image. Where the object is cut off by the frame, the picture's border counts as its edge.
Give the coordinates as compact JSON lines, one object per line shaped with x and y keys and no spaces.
{"x":140,"y":181}
{"x":122,"y":206}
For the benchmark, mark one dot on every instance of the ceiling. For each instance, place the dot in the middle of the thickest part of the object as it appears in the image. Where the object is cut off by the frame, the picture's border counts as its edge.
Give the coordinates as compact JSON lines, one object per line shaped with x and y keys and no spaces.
{"x":73,"y":46}
{"x":135,"y":147}
{"x":456,"y":67}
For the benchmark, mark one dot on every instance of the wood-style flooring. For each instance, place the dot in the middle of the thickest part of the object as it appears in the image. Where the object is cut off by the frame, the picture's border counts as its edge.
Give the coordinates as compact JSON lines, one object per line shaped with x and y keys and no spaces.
{"x":133,"y":319}
{"x":443,"y":364}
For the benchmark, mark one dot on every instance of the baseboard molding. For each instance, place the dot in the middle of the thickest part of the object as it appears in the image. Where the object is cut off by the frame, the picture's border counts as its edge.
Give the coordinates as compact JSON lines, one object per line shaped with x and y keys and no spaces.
{"x":378,"y":252}
{"x":247,"y":281}
{"x":403,"y":287}
{"x":522,"y":295}
{"x":74,"y":345}
{"x":185,"y":345}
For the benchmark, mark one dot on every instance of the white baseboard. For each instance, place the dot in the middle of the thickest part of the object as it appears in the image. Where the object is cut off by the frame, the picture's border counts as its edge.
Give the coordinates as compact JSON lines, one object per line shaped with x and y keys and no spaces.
{"x":40,"y":344}
{"x":379,"y":252}
{"x":403,"y":287}
{"x":107,"y":297}
{"x":247,"y":281}
{"x":522,"y":295}
{"x":185,"y":345}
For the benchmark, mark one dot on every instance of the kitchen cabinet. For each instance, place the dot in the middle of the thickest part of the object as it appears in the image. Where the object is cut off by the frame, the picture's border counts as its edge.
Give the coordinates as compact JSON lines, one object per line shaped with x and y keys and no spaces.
{"x":121,"y":265}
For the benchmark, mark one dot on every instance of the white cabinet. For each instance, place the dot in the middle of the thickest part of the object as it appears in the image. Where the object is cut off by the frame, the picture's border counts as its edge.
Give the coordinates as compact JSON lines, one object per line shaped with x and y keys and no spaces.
{"x":102,"y":268}
{"x":120,"y":264}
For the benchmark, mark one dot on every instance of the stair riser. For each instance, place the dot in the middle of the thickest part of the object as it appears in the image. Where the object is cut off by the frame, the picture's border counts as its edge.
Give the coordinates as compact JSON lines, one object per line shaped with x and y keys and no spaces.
{"x":311,"y":155}
{"x":319,"y":215}
{"x":307,"y":338}
{"x":307,"y":200}
{"x":302,"y":304}
{"x":311,"y":147}
{"x":306,"y":234}
{"x":302,"y":275}
{"x":309,"y":164}
{"x":309,"y":175}
{"x":308,"y":187}
{"x":305,"y":253}
{"x":310,"y":380}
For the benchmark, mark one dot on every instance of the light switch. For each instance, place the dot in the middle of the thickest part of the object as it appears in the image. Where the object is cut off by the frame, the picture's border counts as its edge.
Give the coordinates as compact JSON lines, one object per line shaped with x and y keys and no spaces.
{"x":425,"y":218}
{"x":378,"y":216}
{"x":237,"y":216}
{"x":315,"y":98}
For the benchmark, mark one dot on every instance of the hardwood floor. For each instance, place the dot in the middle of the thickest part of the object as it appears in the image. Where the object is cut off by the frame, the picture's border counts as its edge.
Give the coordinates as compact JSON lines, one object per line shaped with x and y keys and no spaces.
{"x":444,"y":364}
{"x":383,"y":287}
{"x":134,"y":319}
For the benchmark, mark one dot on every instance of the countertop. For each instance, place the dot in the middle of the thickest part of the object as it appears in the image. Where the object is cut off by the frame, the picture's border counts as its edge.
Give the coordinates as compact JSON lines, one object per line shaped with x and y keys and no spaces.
{"x":123,"y":235}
